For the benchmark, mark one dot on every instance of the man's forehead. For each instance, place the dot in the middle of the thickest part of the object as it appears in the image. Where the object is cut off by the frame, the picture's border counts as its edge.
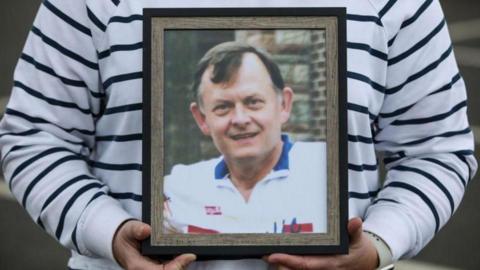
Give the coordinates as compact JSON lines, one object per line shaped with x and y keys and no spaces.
{"x":251,"y":69}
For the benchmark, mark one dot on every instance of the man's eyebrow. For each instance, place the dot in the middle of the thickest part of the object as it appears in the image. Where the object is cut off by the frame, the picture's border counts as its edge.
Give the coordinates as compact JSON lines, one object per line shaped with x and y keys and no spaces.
{"x":217,"y":100}
{"x":255,"y":95}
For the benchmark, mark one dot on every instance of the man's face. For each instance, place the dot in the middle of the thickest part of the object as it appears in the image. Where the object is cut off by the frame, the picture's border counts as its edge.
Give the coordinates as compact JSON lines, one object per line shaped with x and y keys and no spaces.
{"x":243,"y":116}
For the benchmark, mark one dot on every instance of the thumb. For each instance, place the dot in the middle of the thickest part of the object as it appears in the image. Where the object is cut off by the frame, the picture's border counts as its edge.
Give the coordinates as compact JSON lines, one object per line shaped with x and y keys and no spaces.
{"x":139,"y":230}
{"x":181,"y":262}
{"x":355,"y":230}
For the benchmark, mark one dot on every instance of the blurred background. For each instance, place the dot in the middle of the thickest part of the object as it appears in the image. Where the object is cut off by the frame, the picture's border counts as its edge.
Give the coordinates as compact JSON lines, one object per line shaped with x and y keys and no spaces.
{"x":23,"y":245}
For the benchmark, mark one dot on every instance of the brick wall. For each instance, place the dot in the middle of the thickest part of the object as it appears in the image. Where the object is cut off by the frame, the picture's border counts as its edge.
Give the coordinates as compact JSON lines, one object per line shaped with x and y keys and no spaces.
{"x":300,"y":55}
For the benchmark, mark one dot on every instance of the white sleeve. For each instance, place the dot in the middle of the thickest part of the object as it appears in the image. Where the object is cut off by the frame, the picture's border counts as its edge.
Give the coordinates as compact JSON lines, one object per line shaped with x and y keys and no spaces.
{"x":48,"y":131}
{"x":422,"y":129}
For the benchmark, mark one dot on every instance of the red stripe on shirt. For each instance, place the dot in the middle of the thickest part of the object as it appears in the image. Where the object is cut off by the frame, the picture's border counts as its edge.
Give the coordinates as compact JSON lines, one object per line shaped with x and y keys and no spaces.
{"x":298,"y":228}
{"x":200,"y":230}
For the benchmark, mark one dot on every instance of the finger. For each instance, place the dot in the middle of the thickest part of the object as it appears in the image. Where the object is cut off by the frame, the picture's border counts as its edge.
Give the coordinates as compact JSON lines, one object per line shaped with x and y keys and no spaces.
{"x":281,"y":267}
{"x":180,"y":262}
{"x":288,"y":261}
{"x":355,"y":230}
{"x":137,"y":261}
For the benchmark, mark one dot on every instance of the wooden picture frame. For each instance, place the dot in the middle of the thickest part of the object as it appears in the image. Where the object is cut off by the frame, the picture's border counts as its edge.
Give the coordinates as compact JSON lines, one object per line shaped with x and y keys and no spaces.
{"x":245,"y":22}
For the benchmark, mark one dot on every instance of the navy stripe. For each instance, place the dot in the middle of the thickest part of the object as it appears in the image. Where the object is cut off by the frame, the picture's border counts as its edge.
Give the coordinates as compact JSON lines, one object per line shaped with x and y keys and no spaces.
{"x":431,"y":119}
{"x":33,"y":132}
{"x":121,"y":78}
{"x":417,"y":46}
{"x":386,"y":8}
{"x":67,"y":19}
{"x":52,"y":72}
{"x":74,"y":232}
{"x":421,"y":73}
{"x":360,"y":109}
{"x":38,"y":120}
{"x":68,"y":205}
{"x":461,"y":155}
{"x":23,"y":133}
{"x":45,"y":172}
{"x":391,"y":41}
{"x":439,"y":163}
{"x":396,"y":112}
{"x":41,"y":225}
{"x":422,"y":196}
{"x":364,"y":18}
{"x":431,"y":178}
{"x":391,"y":159}
{"x":362,"y":167}
{"x":116,"y":167}
{"x":131,"y":18}
{"x":74,"y":239}
{"x":124,"y":108}
{"x":13,"y":149}
{"x":449,"y":85}
{"x":116,"y":2}
{"x":126,"y":196}
{"x":384,"y":200}
{"x":120,"y":138}
{"x":442,"y":135}
{"x":18,"y":147}
{"x":62,"y":188}
{"x":121,"y":47}
{"x":464,"y":152}
{"x":417,"y":14}
{"x":31,"y":160}
{"x":50,"y":101}
{"x":64,"y":50}
{"x":95,"y":20}
{"x":357,"y":195}
{"x":400,"y":111}
{"x":366,"y":80}
{"x":365,"y":47}
{"x":358,"y":138}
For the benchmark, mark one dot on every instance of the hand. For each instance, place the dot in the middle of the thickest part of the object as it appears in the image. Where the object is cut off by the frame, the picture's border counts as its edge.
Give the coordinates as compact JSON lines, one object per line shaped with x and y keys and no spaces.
{"x":126,"y":246}
{"x":362,"y":254}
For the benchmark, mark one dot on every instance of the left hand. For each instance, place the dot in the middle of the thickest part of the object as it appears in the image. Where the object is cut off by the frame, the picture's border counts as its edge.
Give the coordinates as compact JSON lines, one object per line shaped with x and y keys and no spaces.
{"x":362,"y":255}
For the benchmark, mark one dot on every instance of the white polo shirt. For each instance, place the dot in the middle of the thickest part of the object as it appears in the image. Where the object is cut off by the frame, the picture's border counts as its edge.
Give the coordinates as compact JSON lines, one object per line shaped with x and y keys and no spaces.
{"x":292,"y":198}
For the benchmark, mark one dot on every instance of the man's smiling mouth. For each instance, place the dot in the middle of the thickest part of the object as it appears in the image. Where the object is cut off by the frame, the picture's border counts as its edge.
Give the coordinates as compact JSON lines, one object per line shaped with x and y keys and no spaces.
{"x":243,"y":136}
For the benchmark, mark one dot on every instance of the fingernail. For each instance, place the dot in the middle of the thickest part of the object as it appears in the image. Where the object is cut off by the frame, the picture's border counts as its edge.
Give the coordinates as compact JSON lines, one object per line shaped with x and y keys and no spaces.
{"x":191,"y":256}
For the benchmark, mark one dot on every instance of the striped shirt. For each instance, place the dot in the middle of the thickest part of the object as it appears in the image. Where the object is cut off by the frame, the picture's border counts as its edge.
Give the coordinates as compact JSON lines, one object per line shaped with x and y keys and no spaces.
{"x":71,"y":134}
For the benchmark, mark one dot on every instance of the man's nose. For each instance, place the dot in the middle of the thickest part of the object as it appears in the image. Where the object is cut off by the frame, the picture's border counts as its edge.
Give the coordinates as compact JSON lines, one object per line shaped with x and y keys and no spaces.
{"x":240,"y":116}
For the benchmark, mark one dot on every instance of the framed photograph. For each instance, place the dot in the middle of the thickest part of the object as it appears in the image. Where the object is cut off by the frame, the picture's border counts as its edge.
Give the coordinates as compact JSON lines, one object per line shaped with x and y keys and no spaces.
{"x":245,"y":132}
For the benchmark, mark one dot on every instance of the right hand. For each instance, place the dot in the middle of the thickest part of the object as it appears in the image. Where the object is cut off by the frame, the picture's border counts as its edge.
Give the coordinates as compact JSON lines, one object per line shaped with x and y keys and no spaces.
{"x":126,"y":249}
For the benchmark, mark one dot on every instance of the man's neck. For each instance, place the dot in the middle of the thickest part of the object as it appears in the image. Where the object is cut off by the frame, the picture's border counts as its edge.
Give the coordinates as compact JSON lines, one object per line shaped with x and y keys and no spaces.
{"x":246,"y":174}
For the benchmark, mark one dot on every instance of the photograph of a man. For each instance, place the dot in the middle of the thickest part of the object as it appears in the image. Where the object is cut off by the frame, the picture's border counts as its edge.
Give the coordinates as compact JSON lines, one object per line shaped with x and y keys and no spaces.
{"x":263,"y":182}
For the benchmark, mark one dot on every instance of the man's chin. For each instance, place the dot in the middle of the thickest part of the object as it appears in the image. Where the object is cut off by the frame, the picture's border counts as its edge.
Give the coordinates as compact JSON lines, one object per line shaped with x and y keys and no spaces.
{"x":245,"y":156}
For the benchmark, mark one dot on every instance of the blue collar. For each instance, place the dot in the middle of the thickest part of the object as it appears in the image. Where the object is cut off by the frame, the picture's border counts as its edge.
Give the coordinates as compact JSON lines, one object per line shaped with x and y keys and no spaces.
{"x":221,"y":169}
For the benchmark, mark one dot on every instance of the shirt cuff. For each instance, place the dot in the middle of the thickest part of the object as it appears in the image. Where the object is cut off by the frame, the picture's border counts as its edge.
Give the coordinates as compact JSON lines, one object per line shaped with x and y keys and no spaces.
{"x":385,"y":258}
{"x":97,"y":227}
{"x":394,"y":227}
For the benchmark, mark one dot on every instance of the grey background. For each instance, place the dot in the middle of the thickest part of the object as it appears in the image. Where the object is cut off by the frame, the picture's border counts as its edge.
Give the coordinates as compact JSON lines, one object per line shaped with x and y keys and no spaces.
{"x":24,"y":246}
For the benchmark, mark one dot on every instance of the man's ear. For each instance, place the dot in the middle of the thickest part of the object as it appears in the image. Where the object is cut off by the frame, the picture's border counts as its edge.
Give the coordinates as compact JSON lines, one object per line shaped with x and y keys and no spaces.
{"x":287,"y":100}
{"x":199,"y":118}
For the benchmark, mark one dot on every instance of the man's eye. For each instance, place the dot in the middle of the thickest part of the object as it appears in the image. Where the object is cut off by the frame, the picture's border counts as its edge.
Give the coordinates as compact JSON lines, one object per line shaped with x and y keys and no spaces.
{"x":255,"y":103}
{"x":221,"y":108}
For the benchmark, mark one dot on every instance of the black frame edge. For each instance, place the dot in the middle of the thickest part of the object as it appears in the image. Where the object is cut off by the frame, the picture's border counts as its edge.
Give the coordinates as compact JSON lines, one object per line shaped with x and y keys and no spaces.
{"x":146,"y":132}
